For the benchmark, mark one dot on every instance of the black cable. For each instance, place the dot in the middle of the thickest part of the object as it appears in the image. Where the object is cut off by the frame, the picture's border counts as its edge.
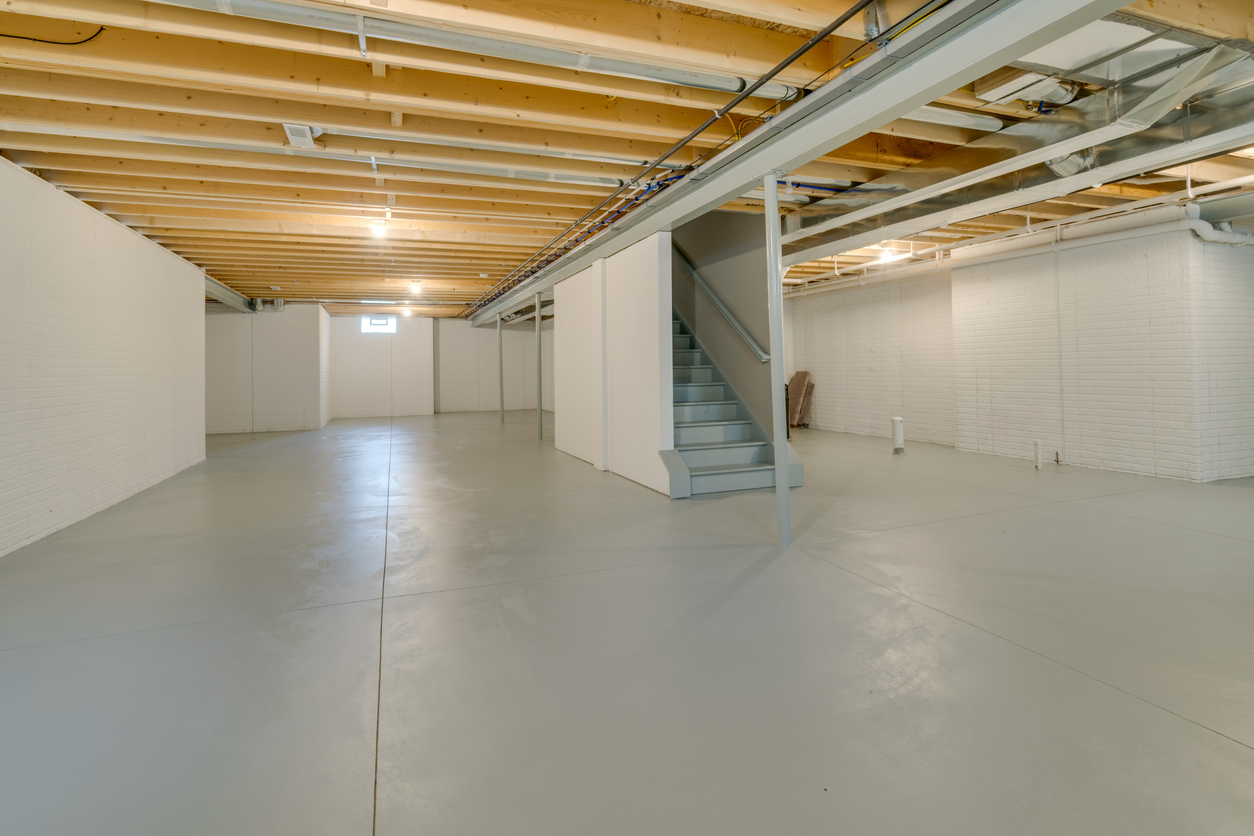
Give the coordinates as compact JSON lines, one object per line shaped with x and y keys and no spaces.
{"x":56,"y":43}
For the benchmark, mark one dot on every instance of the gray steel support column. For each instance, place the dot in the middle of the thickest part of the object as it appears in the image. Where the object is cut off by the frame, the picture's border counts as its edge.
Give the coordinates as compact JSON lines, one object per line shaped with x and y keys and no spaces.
{"x":539,"y":376}
{"x":775,"y":303}
{"x":500,"y":364}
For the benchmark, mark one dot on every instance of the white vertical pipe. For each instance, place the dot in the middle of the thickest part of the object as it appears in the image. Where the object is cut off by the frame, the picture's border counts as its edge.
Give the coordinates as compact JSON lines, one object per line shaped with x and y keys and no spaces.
{"x":775,"y":300}
{"x":539,"y":373}
{"x":1039,"y":455}
{"x":899,"y":436}
{"x":500,"y":364}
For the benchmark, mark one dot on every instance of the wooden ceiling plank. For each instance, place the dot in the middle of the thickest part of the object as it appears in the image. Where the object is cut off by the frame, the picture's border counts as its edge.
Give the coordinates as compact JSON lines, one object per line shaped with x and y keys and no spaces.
{"x":124,"y":150}
{"x":170,"y":20}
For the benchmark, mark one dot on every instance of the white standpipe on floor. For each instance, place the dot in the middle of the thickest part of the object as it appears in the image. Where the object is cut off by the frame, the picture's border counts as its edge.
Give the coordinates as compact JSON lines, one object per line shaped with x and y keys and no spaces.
{"x":899,"y":436}
{"x":1039,"y":456}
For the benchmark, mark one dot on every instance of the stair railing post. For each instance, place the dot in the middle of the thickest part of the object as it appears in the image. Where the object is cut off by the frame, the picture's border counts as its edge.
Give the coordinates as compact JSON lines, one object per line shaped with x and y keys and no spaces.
{"x":775,"y":300}
{"x":500,"y":364}
{"x":539,"y":374}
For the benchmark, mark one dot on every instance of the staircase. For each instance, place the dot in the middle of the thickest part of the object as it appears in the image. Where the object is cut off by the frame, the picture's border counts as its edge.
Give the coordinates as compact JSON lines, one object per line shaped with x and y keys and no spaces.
{"x":722,"y":447}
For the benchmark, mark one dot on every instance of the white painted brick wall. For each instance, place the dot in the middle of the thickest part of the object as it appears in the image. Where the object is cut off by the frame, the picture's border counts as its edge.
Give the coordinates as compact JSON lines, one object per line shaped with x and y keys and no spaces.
{"x":228,"y":370}
{"x":1090,"y":350}
{"x":1223,"y":307}
{"x":102,"y":369}
{"x":875,"y":353}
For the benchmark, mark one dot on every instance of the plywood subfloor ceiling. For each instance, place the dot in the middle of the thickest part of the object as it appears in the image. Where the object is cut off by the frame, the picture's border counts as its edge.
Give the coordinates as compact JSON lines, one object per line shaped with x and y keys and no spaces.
{"x":445,"y":168}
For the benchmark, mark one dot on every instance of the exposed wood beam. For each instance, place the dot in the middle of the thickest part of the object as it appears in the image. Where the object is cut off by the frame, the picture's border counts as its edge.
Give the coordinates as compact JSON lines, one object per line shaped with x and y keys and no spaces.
{"x":93,"y":173}
{"x":122,"y":151}
{"x":171,"y":60}
{"x":609,"y":27}
{"x":228,"y":106}
{"x":169,"y":20}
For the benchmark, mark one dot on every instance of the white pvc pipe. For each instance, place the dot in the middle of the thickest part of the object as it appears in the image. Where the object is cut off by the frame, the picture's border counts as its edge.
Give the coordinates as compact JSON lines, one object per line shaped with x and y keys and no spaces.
{"x":775,"y":306}
{"x":899,"y":436}
{"x":1039,"y":456}
{"x":1197,"y":226}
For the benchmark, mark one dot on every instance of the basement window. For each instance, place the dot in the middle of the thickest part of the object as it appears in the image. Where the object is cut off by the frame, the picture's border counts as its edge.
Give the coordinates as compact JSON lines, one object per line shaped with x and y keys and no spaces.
{"x":378,"y":325}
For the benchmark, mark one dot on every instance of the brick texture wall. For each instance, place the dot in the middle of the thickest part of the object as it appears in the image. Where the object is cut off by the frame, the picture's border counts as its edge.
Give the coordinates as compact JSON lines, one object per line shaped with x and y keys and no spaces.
{"x":876,"y":353}
{"x":102,"y":364}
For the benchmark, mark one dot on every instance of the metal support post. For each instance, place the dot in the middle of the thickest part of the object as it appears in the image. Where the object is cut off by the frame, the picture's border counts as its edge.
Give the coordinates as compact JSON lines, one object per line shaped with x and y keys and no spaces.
{"x":539,"y":376}
{"x":500,"y":364}
{"x":775,"y":299}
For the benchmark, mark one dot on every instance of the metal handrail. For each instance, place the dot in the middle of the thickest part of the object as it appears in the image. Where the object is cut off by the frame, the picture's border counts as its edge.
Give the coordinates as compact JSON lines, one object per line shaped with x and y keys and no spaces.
{"x":718,"y":303}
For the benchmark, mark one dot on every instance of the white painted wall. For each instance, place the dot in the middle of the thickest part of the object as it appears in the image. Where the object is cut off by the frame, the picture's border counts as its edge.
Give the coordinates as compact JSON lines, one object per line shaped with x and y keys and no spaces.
{"x":381,"y":375}
{"x":1223,"y":307}
{"x":102,"y":368}
{"x":580,"y":366}
{"x":325,"y":398}
{"x":263,"y":372}
{"x":1089,"y":350}
{"x":875,"y":353}
{"x":639,"y":361}
{"x":467,"y":363}
{"x":1135,"y":355}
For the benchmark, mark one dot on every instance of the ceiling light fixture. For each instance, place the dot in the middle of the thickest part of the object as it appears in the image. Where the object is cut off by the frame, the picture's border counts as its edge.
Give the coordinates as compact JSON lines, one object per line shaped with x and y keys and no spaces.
{"x":415,"y":287}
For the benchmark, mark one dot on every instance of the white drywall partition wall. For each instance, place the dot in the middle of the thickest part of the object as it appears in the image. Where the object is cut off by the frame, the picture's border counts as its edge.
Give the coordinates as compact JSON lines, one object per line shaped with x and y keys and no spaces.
{"x":287,"y":390}
{"x":639,"y":361}
{"x":378,"y":375}
{"x":467,"y":366}
{"x":579,"y":366}
{"x":102,"y":361}
{"x":875,"y":353}
{"x":324,"y":367}
{"x":264,"y":372}
{"x":228,"y":370}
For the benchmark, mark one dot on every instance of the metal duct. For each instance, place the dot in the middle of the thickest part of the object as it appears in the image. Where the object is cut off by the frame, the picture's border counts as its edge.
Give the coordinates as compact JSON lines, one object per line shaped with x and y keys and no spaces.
{"x":1061,"y":140}
{"x":390,"y":30}
{"x":1207,"y":127}
{"x":214,"y":289}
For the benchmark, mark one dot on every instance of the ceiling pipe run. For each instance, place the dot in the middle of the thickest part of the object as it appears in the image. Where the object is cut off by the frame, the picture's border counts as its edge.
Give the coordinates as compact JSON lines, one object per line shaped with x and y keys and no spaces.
{"x":365,"y":27}
{"x":1061,"y":141}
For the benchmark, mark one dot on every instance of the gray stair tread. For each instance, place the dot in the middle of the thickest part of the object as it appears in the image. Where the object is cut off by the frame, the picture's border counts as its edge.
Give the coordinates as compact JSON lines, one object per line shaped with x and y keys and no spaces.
{"x":720,"y":445}
{"x":684,"y":350}
{"x":704,"y":403}
{"x":694,"y":367}
{"x":712,"y":383}
{"x":710,"y":423}
{"x":730,"y":468}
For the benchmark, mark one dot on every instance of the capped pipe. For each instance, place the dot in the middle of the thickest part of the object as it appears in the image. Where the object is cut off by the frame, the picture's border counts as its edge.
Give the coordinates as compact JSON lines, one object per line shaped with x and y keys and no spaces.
{"x":899,"y":437}
{"x":1040,"y":460}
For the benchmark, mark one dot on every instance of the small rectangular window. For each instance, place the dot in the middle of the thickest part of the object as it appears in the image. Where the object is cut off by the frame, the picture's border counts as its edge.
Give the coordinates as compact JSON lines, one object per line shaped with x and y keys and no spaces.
{"x":378,"y":325}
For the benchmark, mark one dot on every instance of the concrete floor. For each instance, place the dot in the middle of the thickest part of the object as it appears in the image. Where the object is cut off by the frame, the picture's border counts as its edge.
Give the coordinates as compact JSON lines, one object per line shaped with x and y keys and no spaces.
{"x":956,"y":644}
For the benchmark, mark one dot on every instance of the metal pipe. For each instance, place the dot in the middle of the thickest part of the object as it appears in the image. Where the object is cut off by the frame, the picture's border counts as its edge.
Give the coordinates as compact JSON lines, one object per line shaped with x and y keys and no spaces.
{"x":363,"y":27}
{"x":775,"y":303}
{"x":539,"y":374}
{"x":500,"y":363}
{"x":719,"y":113}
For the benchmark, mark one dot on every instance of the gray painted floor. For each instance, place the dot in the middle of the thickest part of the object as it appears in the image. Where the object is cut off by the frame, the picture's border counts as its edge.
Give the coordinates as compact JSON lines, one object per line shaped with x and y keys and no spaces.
{"x":956,"y":644}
